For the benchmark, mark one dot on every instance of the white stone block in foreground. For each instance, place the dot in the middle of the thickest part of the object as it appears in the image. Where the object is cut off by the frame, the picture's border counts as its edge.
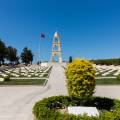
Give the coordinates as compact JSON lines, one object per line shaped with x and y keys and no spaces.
{"x":90,"y":111}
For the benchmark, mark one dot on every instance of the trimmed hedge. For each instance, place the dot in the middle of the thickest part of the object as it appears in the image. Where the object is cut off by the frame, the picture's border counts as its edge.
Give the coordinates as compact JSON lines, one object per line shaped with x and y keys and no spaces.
{"x":47,"y":109}
{"x":80,"y":76}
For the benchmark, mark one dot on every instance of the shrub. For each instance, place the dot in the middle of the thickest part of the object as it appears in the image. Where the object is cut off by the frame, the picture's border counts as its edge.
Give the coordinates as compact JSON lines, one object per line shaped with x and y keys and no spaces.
{"x":118,"y":77}
{"x":7,"y":78}
{"x":48,"y":108}
{"x":80,"y":78}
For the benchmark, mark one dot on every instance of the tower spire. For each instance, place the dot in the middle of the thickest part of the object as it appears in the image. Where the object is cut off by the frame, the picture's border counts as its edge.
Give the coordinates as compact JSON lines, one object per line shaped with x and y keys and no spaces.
{"x":56,"y":51}
{"x":56,"y":35}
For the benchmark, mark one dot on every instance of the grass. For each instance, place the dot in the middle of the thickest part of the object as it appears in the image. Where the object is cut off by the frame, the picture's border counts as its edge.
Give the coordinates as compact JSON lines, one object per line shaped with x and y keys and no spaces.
{"x":107,"y":81}
{"x":24,"y":82}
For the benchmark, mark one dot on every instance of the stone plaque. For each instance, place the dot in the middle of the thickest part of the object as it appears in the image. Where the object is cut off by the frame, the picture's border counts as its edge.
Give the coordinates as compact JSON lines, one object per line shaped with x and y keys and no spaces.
{"x":77,"y":110}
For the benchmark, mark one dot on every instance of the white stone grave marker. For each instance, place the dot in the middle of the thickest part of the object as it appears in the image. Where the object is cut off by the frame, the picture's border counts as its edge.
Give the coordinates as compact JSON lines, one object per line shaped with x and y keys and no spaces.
{"x":1,"y":79}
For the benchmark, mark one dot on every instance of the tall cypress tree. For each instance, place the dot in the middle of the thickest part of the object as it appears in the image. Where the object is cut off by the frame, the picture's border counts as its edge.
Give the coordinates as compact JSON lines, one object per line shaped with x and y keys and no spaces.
{"x":2,"y":52}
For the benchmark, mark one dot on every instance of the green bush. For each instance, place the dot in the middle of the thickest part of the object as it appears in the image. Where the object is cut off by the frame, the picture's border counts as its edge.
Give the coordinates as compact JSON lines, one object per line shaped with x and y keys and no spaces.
{"x":118,"y":77}
{"x":48,"y":108}
{"x":7,"y":78}
{"x":80,"y":78}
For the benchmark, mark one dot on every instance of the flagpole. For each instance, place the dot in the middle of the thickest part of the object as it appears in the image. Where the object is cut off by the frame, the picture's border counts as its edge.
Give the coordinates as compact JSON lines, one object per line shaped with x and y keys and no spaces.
{"x":42,"y":36}
{"x":39,"y":52}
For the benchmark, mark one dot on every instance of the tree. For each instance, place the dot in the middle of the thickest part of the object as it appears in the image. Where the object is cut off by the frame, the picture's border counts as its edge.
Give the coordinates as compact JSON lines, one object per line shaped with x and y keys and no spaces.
{"x":70,"y":59}
{"x":80,"y":76}
{"x":2,"y":52}
{"x":12,"y":55}
{"x":26,"y":56}
{"x":17,"y":60}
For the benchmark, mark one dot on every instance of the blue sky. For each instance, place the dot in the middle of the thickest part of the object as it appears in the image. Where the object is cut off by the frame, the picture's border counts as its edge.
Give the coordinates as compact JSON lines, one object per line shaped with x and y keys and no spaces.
{"x":88,"y":28}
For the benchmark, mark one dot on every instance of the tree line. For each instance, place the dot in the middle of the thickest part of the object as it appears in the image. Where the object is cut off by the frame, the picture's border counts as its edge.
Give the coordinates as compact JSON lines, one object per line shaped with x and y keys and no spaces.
{"x":113,"y":61}
{"x":9,"y":53}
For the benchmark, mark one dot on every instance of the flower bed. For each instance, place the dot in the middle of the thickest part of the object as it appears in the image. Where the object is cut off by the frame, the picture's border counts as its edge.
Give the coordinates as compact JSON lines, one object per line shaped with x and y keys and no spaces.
{"x":50,"y":108}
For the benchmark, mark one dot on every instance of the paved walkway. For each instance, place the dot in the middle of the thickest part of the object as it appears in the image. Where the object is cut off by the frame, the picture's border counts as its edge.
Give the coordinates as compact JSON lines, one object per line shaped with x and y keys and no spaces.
{"x":16,"y":102}
{"x":106,"y":77}
{"x":111,"y":91}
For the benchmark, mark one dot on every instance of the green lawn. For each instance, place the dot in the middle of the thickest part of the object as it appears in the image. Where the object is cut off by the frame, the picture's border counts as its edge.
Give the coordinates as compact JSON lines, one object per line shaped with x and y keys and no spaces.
{"x":107,"y":81}
{"x":24,"y":82}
